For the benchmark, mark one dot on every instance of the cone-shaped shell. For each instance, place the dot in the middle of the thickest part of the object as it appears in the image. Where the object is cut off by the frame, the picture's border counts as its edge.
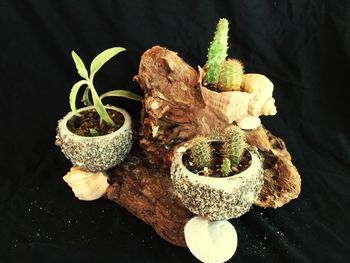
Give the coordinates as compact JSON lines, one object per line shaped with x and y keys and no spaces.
{"x":210,"y":241}
{"x":86,"y":185}
{"x":255,"y":100}
{"x":217,"y":198}
{"x":95,"y":153}
{"x":228,"y":105}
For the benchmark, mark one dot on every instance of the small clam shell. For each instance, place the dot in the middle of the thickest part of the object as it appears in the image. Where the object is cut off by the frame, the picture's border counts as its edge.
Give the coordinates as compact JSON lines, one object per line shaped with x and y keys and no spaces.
{"x":85,"y":185}
{"x":210,"y":241}
{"x":249,"y":122}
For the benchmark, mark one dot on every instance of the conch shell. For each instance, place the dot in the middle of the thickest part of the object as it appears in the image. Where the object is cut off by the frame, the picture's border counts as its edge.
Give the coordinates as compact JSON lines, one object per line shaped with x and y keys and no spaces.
{"x":210,"y":241}
{"x":85,"y":185}
{"x":261,"y":88}
{"x":254,"y":100}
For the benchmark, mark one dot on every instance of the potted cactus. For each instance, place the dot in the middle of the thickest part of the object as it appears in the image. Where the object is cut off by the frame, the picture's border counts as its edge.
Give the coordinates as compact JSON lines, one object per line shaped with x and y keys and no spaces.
{"x":95,"y":137}
{"x":227,"y":91}
{"x":217,"y":178}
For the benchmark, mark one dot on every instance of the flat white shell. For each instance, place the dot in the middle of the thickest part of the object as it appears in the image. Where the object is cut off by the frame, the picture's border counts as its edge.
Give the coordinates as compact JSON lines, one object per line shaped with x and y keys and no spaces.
{"x":249,"y":122}
{"x":210,"y":241}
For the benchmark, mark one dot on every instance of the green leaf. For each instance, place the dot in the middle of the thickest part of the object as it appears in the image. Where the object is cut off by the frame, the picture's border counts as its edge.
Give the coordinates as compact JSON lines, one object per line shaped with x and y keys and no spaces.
{"x":79,"y":64}
{"x":102,"y":58}
{"x":101,"y":109}
{"x":73,"y":95}
{"x":93,"y":132}
{"x":121,"y":93}
{"x":86,"y":99}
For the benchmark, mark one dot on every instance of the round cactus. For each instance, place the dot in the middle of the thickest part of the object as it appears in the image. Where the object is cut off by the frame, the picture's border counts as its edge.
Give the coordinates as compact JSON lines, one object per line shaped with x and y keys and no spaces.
{"x":230,"y":75}
{"x":225,"y":167}
{"x":234,"y":145}
{"x":217,"y":51}
{"x":201,"y":153}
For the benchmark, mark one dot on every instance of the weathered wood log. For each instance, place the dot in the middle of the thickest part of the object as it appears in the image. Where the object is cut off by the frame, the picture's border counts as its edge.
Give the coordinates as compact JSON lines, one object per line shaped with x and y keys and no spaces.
{"x":174,"y":111}
{"x":147,"y":193}
{"x":146,"y":190}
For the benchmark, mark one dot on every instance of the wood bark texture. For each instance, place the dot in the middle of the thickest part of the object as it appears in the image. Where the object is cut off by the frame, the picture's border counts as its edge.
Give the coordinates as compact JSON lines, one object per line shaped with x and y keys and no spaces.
{"x":173,"y":112}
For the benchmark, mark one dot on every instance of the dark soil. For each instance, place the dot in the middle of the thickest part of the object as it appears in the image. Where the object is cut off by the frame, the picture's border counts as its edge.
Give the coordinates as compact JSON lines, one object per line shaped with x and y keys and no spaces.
{"x":215,"y":169}
{"x":89,"y":123}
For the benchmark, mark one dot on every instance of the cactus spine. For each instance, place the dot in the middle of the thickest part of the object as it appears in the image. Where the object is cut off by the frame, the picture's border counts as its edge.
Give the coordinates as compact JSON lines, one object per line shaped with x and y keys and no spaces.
{"x":201,"y":153}
{"x":234,"y":145}
{"x":225,"y":167}
{"x":230,"y":75}
{"x":217,"y":52}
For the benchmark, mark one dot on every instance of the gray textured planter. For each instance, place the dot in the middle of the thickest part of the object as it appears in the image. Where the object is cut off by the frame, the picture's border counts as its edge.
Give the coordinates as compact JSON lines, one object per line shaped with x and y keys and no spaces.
{"x":95,"y":153}
{"x":217,"y":198}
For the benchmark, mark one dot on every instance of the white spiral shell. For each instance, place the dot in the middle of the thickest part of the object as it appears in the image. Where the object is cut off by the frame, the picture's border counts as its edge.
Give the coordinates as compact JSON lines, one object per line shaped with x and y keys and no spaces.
{"x":85,"y":185}
{"x":210,"y":241}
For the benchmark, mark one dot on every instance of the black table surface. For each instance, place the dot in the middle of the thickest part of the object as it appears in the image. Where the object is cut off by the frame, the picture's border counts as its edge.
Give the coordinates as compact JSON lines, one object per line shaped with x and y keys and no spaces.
{"x":302,"y":46}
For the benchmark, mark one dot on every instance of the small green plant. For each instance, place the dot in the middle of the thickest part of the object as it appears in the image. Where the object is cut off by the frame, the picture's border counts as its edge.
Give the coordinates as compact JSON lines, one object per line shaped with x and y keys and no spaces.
{"x":234,"y":144}
{"x":226,"y":167}
{"x":222,"y":74}
{"x":217,"y":51}
{"x":96,"y":64}
{"x":201,"y":153}
{"x":230,"y":75}
{"x":231,"y":151}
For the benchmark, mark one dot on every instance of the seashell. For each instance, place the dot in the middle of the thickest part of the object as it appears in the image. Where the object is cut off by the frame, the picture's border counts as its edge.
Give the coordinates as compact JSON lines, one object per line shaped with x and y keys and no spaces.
{"x":254,"y":82}
{"x":255,"y":100}
{"x":249,"y":122}
{"x":269,"y":107}
{"x":228,"y":105}
{"x":261,"y":89}
{"x":85,"y":185}
{"x":210,"y":241}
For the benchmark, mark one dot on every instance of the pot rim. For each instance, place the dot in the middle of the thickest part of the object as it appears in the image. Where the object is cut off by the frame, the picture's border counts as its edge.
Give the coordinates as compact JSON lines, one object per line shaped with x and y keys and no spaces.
{"x":62,"y":124}
{"x":218,"y":182}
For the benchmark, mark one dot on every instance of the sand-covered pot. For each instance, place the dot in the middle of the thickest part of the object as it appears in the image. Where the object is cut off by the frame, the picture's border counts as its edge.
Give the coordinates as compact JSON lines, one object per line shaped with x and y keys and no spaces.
{"x":217,"y":198}
{"x":244,"y":107}
{"x":96,"y":153}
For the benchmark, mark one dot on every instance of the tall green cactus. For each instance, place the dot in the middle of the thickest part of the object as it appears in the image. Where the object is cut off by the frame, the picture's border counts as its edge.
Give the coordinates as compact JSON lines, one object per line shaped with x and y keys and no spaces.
{"x":225,"y":167}
{"x":234,"y":144}
{"x":201,"y":153}
{"x":217,"y":52}
{"x":230,"y":75}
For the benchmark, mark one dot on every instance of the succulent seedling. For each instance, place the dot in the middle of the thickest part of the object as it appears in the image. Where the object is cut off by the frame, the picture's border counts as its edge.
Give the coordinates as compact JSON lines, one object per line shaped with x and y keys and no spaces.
{"x":234,"y":144}
{"x":217,"y":51}
{"x":201,"y":153}
{"x":226,"y":167}
{"x":230,"y":75}
{"x":224,"y":75}
{"x":87,"y":81}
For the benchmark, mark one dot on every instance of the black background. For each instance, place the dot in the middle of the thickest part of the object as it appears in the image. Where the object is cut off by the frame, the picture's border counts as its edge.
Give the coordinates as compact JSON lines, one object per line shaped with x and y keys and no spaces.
{"x":302,"y":46}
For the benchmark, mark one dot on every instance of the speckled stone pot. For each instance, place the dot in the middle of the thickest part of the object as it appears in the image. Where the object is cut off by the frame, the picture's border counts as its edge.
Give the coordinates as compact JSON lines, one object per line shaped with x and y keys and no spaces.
{"x":95,"y":153}
{"x":213,"y":197}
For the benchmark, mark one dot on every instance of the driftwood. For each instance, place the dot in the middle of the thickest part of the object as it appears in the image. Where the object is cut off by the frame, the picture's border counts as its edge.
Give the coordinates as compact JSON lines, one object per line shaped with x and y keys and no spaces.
{"x":173,"y":112}
{"x":146,"y":192}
